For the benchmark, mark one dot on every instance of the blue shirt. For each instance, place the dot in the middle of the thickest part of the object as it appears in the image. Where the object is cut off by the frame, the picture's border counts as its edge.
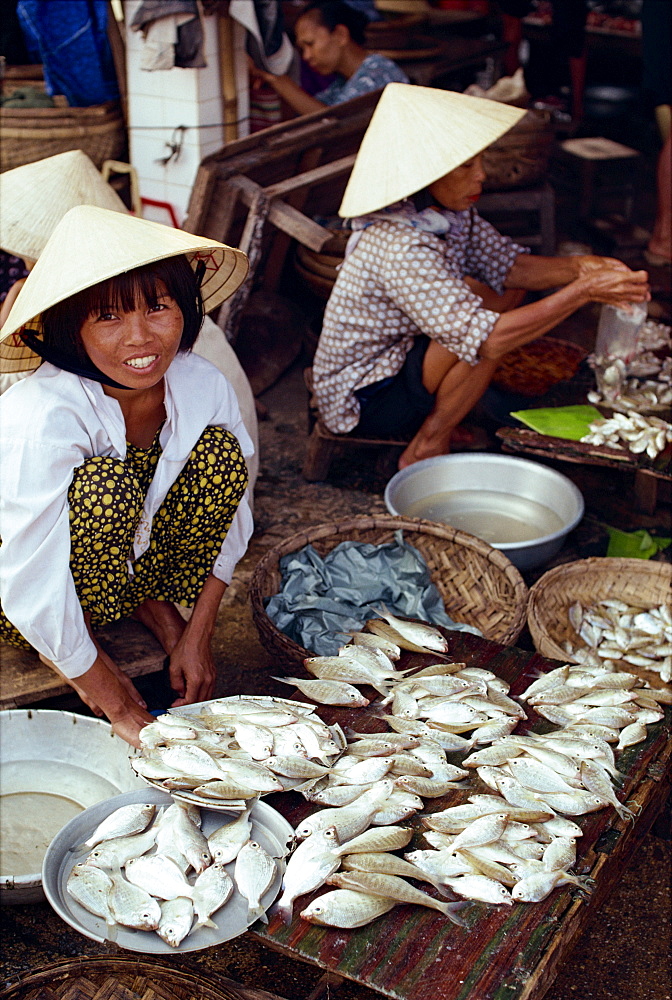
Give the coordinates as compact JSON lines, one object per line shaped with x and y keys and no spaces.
{"x":374,"y":73}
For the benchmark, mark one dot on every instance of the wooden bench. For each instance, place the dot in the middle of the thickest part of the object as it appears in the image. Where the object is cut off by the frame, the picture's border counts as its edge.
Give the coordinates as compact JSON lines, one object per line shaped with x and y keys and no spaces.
{"x":24,"y":680}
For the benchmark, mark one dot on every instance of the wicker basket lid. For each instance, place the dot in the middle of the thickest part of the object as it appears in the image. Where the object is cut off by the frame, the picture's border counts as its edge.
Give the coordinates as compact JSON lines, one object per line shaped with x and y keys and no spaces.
{"x":125,"y":978}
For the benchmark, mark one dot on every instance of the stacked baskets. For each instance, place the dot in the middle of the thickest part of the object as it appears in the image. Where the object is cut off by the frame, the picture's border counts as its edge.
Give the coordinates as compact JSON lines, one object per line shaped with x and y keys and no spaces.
{"x":478,"y":584}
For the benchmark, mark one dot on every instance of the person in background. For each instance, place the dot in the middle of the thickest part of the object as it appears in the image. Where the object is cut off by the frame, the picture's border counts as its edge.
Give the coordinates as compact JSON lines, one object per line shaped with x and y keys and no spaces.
{"x":657,"y":86}
{"x":331,"y":38}
{"x":34,"y":198}
{"x":413,"y":331}
{"x":124,"y":483}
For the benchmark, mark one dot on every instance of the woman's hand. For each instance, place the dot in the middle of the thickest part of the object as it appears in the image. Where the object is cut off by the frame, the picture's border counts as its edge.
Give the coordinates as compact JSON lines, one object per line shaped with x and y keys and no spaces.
{"x":192,"y":670}
{"x":258,"y":76}
{"x":610,"y":281}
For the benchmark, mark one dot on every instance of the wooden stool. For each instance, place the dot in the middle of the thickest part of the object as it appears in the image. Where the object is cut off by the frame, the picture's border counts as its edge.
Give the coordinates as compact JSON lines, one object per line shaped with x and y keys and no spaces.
{"x":539,"y":199}
{"x":323,"y":443}
{"x":602,"y":165}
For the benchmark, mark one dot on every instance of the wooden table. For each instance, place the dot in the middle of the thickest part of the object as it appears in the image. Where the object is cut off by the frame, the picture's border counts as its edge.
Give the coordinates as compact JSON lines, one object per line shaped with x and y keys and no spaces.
{"x":507,"y":953}
{"x":453,"y":55}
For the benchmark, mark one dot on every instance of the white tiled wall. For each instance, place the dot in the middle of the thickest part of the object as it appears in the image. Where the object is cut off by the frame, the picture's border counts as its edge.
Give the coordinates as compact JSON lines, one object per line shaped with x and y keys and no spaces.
{"x":159,"y":101}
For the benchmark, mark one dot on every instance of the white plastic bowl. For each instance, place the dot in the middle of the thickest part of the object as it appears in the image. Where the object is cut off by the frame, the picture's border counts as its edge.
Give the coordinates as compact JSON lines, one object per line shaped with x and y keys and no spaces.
{"x":53,"y":766}
{"x":461,"y":490}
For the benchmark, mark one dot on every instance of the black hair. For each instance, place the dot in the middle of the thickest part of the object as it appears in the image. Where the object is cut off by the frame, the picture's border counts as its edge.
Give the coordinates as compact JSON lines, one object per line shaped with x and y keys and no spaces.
{"x":331,"y":13}
{"x":62,"y":323}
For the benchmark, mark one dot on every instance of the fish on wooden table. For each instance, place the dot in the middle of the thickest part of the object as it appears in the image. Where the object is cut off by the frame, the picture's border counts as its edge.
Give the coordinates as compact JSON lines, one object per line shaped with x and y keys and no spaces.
{"x":346,"y":908}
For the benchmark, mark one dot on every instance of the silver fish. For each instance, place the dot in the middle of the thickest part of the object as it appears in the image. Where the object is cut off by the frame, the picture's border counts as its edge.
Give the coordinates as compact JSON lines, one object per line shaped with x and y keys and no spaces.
{"x":394,"y":887}
{"x":177,"y":916}
{"x":481,"y":831}
{"x":226,"y":841}
{"x":423,"y":635}
{"x":346,"y":908}
{"x":254,"y":873}
{"x":480,"y":887}
{"x":90,"y":887}
{"x":382,"y":863}
{"x":327,"y":692}
{"x":560,"y":853}
{"x":370,"y":641}
{"x":177,"y":831}
{"x":348,"y":820}
{"x":256,"y":740}
{"x":123,"y":822}
{"x":536,"y":887}
{"x":132,"y":906}
{"x":158,"y":875}
{"x":191,"y":760}
{"x":382,"y":838}
{"x":212,"y":889}
{"x":116,"y":852}
{"x":308,"y":867}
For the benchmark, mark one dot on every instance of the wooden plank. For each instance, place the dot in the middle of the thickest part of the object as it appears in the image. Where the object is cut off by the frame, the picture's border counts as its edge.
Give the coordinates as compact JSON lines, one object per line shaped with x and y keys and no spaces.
{"x":286,"y":218}
{"x":24,"y":680}
{"x":413,"y":953}
{"x":325,"y":172}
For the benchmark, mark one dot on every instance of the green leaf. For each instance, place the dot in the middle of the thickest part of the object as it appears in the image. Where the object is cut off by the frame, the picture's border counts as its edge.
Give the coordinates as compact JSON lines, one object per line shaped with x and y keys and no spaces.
{"x":634,"y":544}
{"x":569,"y":422}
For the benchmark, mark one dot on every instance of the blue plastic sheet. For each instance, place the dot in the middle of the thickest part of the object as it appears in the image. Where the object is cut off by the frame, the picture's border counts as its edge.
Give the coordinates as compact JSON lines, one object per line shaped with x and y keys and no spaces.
{"x":321,"y":600}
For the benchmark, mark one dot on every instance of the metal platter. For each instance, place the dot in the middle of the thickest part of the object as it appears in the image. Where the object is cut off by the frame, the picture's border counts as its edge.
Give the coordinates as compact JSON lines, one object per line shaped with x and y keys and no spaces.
{"x":269,"y":829}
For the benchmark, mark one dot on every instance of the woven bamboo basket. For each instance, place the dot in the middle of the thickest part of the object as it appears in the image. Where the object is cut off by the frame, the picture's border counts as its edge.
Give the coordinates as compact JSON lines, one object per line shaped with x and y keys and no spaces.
{"x":635,"y":581}
{"x":520,"y":157}
{"x":125,"y":978}
{"x":29,"y":134}
{"x":478,"y":584}
{"x":533,"y":369}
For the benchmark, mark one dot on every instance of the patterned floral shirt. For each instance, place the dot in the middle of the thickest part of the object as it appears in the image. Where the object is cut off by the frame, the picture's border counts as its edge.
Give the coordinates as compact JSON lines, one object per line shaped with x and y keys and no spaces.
{"x":404,"y":278}
{"x":374,"y":73}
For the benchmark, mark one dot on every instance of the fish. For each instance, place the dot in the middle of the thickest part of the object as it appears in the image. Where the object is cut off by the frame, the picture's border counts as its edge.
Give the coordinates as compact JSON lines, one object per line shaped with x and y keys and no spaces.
{"x":327,"y":692}
{"x":636,"y":732}
{"x":439,"y":864}
{"x":388,"y":864}
{"x":537,"y":777}
{"x":131,"y":906}
{"x":394,"y":887}
{"x":382,"y":838}
{"x":399,"y":806}
{"x":226,"y":841}
{"x":481,"y":831}
{"x":158,"y":875}
{"x":537,"y":886}
{"x":559,"y":854}
{"x":118,"y":850}
{"x":346,"y":908}
{"x":428,"y":787}
{"x":90,"y":887}
{"x":191,"y":760}
{"x":258,"y":741}
{"x":177,"y":916}
{"x":419,"y":633}
{"x":178,"y":832}
{"x":370,"y":641}
{"x":211,"y":890}
{"x":307,"y":869}
{"x":363,"y":772}
{"x":123,"y":822}
{"x":348,"y":820}
{"x":480,"y":887}
{"x":254,"y":873}
{"x":595,"y":780}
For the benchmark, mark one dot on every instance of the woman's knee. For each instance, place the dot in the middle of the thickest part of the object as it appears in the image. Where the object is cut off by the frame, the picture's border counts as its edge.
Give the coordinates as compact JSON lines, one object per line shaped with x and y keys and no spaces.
{"x":103,"y":496}
{"x":216,"y":466}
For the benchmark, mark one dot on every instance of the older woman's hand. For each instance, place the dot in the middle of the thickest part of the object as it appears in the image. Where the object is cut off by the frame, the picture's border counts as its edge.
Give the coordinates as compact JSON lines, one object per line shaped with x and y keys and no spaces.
{"x":612,"y":282}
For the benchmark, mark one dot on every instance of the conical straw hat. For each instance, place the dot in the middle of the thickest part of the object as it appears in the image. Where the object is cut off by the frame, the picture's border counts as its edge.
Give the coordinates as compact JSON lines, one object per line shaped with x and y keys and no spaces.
{"x":415,"y":136}
{"x":35,"y":197}
{"x":92,"y":244}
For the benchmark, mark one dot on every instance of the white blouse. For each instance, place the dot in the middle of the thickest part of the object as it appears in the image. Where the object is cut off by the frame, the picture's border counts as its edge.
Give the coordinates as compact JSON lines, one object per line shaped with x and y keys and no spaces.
{"x":50,"y":423}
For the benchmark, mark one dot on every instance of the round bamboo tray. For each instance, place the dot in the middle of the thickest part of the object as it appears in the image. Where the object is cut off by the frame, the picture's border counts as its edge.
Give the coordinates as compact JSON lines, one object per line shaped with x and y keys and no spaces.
{"x":478,"y":584}
{"x":589,"y":581}
{"x":122,"y":978}
{"x":533,"y":369}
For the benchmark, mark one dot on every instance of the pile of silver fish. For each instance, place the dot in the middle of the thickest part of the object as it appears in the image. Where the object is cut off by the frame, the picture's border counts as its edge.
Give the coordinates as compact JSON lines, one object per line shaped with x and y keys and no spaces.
{"x":638,"y":433}
{"x":613,"y":631}
{"x":514,"y":843}
{"x":235,"y":749}
{"x":174,"y":877}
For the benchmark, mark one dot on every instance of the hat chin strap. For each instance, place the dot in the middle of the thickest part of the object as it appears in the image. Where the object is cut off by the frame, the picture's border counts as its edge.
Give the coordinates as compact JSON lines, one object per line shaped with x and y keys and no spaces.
{"x":86,"y":369}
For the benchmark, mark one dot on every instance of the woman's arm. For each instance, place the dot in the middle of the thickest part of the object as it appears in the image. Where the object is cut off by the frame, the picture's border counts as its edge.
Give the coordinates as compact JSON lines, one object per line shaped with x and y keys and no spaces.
{"x":291,"y":92}
{"x":538,"y":273}
{"x":594,"y":282}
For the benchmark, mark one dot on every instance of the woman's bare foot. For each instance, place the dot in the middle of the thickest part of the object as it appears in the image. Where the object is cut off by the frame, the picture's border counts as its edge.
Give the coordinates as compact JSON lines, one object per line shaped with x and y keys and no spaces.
{"x":163,"y":620}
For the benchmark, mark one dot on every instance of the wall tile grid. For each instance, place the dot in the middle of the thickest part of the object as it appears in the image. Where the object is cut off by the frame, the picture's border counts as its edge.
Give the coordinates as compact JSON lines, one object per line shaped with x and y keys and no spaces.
{"x":158,"y":102}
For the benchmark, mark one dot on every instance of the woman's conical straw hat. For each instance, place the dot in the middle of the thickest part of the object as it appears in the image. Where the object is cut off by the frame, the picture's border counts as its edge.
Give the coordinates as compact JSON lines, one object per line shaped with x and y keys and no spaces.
{"x":35,"y":197}
{"x":415,"y":136}
{"x":92,"y":244}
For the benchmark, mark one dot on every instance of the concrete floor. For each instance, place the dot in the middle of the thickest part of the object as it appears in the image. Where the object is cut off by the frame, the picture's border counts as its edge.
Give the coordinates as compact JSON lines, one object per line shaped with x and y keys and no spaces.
{"x":623,"y":955}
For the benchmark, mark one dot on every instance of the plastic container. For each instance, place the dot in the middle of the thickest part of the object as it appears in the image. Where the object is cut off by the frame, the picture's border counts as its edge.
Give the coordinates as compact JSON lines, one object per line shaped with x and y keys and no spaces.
{"x":618,"y":330}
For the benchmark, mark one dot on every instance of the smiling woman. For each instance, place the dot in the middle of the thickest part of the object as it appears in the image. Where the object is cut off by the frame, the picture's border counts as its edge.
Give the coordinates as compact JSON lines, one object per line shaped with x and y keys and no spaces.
{"x":123,"y":456}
